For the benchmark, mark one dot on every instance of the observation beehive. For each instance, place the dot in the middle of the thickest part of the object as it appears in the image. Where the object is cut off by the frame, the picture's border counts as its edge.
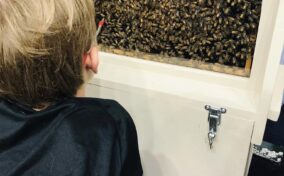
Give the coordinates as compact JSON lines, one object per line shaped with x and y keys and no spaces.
{"x":218,"y":35}
{"x":167,"y":101}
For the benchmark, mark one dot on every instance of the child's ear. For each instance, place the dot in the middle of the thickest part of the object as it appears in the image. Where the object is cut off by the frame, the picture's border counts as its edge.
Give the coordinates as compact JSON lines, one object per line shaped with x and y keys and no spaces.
{"x":91,"y":59}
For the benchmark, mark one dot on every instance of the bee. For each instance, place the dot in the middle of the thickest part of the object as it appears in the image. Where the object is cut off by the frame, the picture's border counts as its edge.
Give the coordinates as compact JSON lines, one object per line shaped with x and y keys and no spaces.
{"x":253,"y":25}
{"x":234,"y":32}
{"x":201,"y":2}
{"x":227,"y":11}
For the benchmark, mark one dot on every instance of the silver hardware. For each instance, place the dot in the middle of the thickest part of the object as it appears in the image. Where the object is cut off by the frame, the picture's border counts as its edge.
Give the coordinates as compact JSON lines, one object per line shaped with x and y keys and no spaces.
{"x":269,"y":151}
{"x":214,"y":119}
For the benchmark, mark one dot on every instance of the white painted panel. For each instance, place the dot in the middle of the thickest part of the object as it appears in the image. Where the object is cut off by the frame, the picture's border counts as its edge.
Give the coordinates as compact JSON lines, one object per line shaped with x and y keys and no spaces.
{"x":173,"y":134}
{"x":171,"y":79}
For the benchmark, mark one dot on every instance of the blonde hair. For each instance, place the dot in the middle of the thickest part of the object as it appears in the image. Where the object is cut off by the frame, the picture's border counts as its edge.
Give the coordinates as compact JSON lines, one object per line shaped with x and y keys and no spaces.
{"x":41,"y":48}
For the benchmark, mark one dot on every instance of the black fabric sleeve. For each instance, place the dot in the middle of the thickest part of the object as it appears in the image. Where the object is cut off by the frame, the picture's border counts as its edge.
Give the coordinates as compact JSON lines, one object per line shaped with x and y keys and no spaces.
{"x":132,"y":163}
{"x":128,"y":142}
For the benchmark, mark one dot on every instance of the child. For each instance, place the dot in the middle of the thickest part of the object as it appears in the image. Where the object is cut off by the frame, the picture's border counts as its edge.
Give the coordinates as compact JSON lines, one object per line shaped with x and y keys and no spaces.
{"x":46,"y":55}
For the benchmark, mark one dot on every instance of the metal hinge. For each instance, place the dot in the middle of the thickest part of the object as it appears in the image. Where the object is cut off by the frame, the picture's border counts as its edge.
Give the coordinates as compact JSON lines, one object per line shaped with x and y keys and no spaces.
{"x":214,"y":120}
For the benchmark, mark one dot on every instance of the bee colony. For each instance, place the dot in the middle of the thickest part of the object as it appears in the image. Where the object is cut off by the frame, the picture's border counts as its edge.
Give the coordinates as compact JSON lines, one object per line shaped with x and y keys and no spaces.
{"x":217,"y":35}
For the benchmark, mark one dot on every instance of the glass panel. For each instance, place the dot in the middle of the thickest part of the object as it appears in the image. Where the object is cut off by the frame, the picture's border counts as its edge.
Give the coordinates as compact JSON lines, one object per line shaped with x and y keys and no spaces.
{"x":217,"y":35}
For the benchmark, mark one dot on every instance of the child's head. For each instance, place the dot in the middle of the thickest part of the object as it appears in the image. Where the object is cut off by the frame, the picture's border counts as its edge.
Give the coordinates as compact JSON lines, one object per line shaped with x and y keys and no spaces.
{"x":42,"y":45}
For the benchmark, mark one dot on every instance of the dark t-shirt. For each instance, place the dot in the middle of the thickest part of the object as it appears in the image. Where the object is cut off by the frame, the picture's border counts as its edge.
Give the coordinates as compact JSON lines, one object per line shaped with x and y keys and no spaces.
{"x":74,"y":137}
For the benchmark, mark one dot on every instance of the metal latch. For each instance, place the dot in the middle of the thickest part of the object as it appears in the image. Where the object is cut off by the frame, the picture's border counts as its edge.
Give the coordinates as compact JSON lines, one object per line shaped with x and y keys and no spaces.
{"x":214,"y":119}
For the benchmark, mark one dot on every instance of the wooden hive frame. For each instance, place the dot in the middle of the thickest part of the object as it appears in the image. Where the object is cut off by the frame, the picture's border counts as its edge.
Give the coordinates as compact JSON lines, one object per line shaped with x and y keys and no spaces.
{"x":233,"y":70}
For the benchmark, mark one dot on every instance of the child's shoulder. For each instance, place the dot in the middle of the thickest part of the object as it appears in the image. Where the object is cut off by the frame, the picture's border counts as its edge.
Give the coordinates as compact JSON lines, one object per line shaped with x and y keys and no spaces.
{"x":112,"y":107}
{"x":107,"y":110}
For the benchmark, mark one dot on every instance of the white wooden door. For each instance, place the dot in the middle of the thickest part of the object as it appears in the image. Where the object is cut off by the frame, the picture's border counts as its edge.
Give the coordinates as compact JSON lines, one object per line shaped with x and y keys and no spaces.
{"x":172,"y":134}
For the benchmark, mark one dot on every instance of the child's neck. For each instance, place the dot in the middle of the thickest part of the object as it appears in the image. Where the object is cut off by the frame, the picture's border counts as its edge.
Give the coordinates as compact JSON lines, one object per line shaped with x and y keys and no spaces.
{"x":81,"y":91}
{"x":41,"y":106}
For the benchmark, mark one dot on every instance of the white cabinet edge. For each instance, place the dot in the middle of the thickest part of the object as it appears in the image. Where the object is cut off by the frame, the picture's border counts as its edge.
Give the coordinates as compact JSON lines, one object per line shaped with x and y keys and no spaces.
{"x":277,"y":96}
{"x":267,"y":80}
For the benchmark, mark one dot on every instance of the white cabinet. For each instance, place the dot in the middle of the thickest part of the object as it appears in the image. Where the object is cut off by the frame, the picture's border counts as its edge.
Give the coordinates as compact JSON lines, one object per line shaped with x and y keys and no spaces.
{"x":173,"y":131}
{"x":167,"y":104}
